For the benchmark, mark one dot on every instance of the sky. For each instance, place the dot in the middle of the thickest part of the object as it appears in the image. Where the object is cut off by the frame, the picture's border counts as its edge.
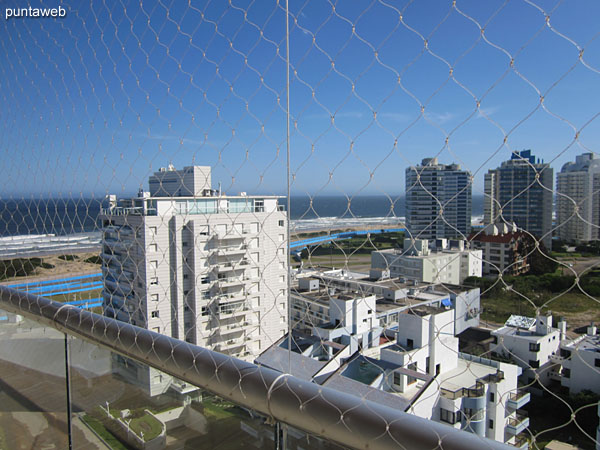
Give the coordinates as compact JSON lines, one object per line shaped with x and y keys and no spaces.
{"x":95,"y":102}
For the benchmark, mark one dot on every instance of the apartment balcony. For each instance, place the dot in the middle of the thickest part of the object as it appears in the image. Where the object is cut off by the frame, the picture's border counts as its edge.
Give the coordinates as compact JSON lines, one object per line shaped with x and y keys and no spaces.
{"x":227,"y":314}
{"x":521,"y":441}
{"x":107,"y":257}
{"x":230,"y":282}
{"x":227,"y":237}
{"x":518,"y":399}
{"x":118,"y":244}
{"x":228,"y":298}
{"x":229,"y":266}
{"x":230,"y":251}
{"x":230,"y":344}
{"x":238,"y":326}
{"x":517,"y":423}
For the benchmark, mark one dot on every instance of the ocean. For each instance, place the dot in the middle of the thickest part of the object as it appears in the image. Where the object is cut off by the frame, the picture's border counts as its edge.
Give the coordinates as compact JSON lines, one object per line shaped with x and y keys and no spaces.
{"x":67,"y":216}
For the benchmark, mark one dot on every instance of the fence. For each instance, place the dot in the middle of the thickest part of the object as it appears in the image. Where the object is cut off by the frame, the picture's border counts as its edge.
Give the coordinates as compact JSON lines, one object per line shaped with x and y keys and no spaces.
{"x":356,"y":199}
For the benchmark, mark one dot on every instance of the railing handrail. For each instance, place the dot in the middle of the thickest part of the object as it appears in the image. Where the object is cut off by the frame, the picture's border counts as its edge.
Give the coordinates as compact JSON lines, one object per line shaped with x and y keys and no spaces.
{"x":337,"y":416}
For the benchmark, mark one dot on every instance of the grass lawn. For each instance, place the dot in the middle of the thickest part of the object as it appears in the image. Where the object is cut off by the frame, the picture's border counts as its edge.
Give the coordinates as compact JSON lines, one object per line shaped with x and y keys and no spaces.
{"x":108,"y":437}
{"x":96,"y":293}
{"x":497,"y":308}
{"x":218,"y":410}
{"x":146,"y":424}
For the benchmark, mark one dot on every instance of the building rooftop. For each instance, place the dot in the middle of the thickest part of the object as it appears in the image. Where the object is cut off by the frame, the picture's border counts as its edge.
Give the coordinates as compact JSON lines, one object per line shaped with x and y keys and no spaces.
{"x":466,"y":374}
{"x":586,"y":342}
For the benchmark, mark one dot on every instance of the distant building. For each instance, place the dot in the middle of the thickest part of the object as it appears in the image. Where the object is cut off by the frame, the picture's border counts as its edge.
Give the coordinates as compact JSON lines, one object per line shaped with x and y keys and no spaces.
{"x":186,"y":261}
{"x":578,"y":199}
{"x":420,"y":372}
{"x":313,"y":300}
{"x":504,"y":249}
{"x":447,"y":261}
{"x":438,"y":200}
{"x":520,"y":191}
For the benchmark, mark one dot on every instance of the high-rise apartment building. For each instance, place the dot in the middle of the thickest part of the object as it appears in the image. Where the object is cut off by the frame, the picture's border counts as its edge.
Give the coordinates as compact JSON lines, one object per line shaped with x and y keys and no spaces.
{"x":438,"y":200}
{"x":520,"y":191}
{"x":186,"y":261}
{"x":578,"y":200}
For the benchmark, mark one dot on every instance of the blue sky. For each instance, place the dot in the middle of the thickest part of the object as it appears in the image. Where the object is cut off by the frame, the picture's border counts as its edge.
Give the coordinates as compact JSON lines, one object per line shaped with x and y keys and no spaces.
{"x":95,"y":102}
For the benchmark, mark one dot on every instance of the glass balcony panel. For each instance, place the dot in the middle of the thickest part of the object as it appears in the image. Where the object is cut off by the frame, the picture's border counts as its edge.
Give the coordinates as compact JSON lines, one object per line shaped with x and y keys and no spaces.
{"x":33,"y":401}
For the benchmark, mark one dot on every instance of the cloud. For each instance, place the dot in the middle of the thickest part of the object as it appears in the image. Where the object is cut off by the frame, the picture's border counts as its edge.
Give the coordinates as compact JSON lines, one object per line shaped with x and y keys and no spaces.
{"x":440,"y":118}
{"x":488,"y":111}
{"x":396,"y":117}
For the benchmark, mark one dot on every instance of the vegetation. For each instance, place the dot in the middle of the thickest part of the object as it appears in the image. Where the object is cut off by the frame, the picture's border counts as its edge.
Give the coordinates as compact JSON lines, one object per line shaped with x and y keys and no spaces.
{"x":146,"y":424}
{"x":101,"y":430}
{"x":525,"y":293}
{"x":69,"y":257}
{"x":548,"y":412}
{"x":359,"y":244}
{"x":21,"y":267}
{"x":93,"y":260}
{"x":140,"y":421}
{"x":218,"y":409}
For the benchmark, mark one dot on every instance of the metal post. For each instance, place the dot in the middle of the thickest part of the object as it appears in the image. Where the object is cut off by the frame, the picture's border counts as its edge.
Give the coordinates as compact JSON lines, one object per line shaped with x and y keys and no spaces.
{"x":280,"y":431}
{"x":68,"y":390}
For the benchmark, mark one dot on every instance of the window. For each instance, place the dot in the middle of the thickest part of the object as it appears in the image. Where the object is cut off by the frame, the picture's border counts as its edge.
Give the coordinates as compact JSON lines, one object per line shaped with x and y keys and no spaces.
{"x":448,"y":416}
{"x":156,"y":329}
{"x":154,"y":264}
{"x":473,"y":414}
{"x":281,"y":252}
{"x":205,"y":280}
{"x":154,"y":297}
{"x":184,"y":244}
{"x":409,"y":379}
{"x":534,"y":363}
{"x":259,"y":205}
{"x":566,"y":373}
{"x":186,"y":308}
{"x":491,"y":424}
{"x":204,"y":311}
{"x":155,"y":314}
{"x":185,"y":276}
{"x":495,"y":340}
{"x":534,"y":347}
{"x":492,"y":397}
{"x":153,"y":247}
{"x":281,"y":223}
{"x":153,"y":230}
{"x":153,"y":281}
{"x":409,"y":343}
{"x":597,"y":362}
{"x":397,"y":379}
{"x":186,"y":292}
{"x":565,"y":353}
{"x":281,"y":237}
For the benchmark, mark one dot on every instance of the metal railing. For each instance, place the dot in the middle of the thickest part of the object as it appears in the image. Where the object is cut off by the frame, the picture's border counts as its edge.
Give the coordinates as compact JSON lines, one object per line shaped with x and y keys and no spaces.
{"x":333,"y":415}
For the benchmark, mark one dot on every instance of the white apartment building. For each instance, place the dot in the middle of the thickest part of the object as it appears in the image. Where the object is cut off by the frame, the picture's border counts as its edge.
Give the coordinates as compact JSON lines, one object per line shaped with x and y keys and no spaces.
{"x":447,"y":261}
{"x":504,"y":249}
{"x":312,"y":291}
{"x":578,"y":199}
{"x":187,"y":261}
{"x":530,"y":343}
{"x":438,"y":200}
{"x":580,"y":361}
{"x":421,"y":372}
